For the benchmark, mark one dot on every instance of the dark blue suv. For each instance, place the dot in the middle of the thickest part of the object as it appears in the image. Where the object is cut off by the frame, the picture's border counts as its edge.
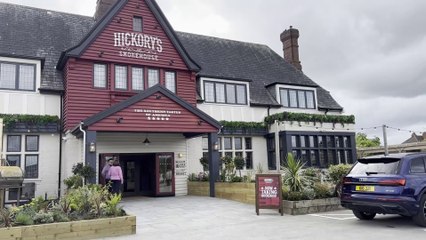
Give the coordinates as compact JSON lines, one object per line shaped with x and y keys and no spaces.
{"x":387,"y":184}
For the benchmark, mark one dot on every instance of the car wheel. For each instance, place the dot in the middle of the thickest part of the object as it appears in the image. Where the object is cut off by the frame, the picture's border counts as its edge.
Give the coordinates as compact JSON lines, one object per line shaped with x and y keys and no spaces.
{"x":420,"y":217}
{"x":364,"y":215}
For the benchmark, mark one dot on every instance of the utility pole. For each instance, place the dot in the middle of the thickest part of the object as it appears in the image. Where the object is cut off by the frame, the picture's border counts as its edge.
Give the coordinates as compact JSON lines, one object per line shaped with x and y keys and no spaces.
{"x":385,"y":140}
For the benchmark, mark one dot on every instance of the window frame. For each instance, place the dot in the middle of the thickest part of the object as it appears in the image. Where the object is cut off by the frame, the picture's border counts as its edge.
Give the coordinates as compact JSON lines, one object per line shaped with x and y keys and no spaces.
{"x":133,"y":24}
{"x":14,"y":155}
{"x":225,"y":87}
{"x":25,"y":166}
{"x":175,"y":80}
{"x":7,"y":143}
{"x":290,"y":104}
{"x":126,"y":75}
{"x":17,"y":76}
{"x":106,"y":75}
{"x":143,"y":78}
{"x":148,"y":79}
{"x":26,"y":143}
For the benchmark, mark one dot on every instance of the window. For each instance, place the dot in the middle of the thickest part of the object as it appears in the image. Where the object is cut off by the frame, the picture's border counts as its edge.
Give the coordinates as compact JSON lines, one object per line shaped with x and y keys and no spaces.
{"x":317,"y":149}
{"x":14,"y":160}
{"x":171,"y":81}
{"x":293,"y":98}
{"x":228,"y":143}
{"x":13,"y":143}
{"x":99,"y":75}
{"x":417,"y":166}
{"x":31,"y":166}
{"x":137,"y":79}
{"x":227,"y":93}
{"x":17,"y":76}
{"x":233,"y":147}
{"x":137,"y":24}
{"x":121,"y":77}
{"x":31,"y":143}
{"x":27,"y":154}
{"x":153,"y":77}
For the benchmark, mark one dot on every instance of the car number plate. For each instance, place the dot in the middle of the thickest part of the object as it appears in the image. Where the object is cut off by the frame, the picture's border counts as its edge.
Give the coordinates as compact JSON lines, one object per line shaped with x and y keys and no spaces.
{"x":364,"y":188}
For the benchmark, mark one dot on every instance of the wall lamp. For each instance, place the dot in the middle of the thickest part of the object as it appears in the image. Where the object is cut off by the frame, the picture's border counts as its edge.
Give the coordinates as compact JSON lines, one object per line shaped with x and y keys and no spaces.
{"x":92,"y":147}
{"x":119,"y":120}
{"x":146,"y":142}
{"x":215,"y":146}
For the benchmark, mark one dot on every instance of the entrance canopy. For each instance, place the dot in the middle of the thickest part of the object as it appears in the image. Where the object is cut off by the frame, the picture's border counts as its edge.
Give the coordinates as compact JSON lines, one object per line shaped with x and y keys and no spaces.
{"x":153,"y":110}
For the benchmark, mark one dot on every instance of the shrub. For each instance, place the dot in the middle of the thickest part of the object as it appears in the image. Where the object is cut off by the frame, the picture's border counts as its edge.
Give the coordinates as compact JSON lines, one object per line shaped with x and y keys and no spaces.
{"x":22,"y":218}
{"x":293,"y":196}
{"x":308,"y":193}
{"x":74,"y":182}
{"x":59,"y":216}
{"x":236,"y":179}
{"x":323,"y":190}
{"x":205,"y":163}
{"x":111,"y":206}
{"x":312,"y":175}
{"x":239,"y":163}
{"x":337,"y":172}
{"x":43,"y":217}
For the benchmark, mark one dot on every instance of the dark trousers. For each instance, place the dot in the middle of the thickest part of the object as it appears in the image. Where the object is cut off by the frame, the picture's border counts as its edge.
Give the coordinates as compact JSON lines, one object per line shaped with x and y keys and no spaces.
{"x":116,"y":184}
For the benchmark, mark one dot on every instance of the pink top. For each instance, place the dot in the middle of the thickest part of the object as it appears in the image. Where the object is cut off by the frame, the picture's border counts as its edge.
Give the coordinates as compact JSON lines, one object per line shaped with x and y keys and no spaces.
{"x":116,"y":173}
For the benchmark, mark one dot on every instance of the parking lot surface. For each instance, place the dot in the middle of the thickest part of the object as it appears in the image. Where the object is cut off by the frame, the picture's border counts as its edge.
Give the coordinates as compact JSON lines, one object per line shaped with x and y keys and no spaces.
{"x":207,"y":218}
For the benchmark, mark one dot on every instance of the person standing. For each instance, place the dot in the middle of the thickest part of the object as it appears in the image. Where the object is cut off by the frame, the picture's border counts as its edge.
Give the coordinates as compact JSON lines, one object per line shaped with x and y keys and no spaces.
{"x":105,"y":174}
{"x":116,"y":175}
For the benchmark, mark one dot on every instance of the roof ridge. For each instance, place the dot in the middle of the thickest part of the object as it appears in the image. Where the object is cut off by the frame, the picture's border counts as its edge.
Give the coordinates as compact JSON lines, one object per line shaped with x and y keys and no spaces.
{"x":226,"y":39}
{"x":43,"y":9}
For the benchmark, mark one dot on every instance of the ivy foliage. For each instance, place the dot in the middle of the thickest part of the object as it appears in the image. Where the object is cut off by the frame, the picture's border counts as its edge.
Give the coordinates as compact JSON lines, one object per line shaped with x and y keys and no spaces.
{"x":9,"y":120}
{"x":239,"y":125}
{"x":306,"y":117}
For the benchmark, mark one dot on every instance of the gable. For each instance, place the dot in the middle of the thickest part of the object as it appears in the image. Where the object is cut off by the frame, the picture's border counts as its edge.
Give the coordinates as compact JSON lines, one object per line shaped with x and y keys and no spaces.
{"x":113,"y":38}
{"x":154,"y":110}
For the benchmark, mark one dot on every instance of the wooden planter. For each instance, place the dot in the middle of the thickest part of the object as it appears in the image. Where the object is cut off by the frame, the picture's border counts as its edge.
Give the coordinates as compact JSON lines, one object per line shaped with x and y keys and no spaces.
{"x":86,"y":229}
{"x":311,"y":206}
{"x":240,"y":192}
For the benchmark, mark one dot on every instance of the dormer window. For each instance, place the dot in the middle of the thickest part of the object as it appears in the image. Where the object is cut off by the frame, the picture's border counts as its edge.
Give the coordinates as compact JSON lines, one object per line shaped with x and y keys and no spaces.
{"x":17,"y":76}
{"x":137,"y":24}
{"x":225,"y":93}
{"x":297,"y":98}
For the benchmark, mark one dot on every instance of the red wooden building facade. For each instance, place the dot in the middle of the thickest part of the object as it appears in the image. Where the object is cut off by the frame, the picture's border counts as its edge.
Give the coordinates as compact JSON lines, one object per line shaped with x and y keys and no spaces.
{"x":129,"y":75}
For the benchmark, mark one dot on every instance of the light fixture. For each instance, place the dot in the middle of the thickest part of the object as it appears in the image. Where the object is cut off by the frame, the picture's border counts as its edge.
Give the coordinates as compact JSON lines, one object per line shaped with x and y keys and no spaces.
{"x":119,"y":120}
{"x":180,"y":155}
{"x":215,"y":146}
{"x":92,"y":147}
{"x":146,"y":142}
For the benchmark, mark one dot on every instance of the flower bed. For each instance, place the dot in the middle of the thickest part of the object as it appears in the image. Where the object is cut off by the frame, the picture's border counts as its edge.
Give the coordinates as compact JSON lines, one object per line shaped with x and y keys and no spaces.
{"x":86,"y":229}
{"x":310,"y":206}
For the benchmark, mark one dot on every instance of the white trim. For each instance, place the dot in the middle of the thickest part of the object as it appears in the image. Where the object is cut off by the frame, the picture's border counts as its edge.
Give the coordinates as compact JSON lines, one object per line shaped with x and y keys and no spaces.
{"x":202,"y":79}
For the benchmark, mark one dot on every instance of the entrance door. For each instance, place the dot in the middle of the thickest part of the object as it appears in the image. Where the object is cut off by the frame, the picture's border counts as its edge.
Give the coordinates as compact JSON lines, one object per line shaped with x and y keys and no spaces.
{"x":139,"y":174}
{"x":165,"y":173}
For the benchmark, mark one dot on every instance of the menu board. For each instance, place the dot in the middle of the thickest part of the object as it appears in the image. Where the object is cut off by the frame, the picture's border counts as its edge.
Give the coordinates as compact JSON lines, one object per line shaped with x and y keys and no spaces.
{"x":268,"y":192}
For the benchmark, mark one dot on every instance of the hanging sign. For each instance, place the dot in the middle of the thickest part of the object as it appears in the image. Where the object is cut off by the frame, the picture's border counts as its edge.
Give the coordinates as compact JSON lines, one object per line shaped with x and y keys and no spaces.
{"x":269,"y":192}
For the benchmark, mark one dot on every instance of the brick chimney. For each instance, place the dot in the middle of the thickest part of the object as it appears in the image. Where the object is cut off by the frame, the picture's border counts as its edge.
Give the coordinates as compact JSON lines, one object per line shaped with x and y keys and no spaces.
{"x":289,"y":38}
{"x":102,"y":7}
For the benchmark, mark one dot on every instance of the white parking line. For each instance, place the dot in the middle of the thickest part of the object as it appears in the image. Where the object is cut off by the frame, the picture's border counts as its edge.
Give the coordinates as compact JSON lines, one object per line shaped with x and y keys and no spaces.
{"x":330,"y":216}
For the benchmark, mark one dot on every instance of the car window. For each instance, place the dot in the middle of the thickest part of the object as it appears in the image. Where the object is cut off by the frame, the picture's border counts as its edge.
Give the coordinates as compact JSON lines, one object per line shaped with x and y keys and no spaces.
{"x":417,"y":165}
{"x":375,"y":166}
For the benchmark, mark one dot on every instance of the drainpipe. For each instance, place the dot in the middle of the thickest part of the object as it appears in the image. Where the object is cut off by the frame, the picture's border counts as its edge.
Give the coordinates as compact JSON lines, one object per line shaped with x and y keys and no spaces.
{"x":277,"y":146}
{"x":84,"y":142}
{"x":60,"y":150}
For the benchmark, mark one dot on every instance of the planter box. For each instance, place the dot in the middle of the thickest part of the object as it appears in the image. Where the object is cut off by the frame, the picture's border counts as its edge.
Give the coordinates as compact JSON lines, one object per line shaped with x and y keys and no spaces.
{"x":311,"y":206}
{"x":86,"y":229}
{"x":240,"y":192}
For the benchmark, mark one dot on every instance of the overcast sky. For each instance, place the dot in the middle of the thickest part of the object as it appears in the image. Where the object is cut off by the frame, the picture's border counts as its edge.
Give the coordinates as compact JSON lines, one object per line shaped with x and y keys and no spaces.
{"x":370,"y":55}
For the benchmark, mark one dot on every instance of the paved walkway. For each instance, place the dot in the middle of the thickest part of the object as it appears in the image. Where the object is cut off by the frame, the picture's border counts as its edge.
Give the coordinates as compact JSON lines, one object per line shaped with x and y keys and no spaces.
{"x":207,"y":218}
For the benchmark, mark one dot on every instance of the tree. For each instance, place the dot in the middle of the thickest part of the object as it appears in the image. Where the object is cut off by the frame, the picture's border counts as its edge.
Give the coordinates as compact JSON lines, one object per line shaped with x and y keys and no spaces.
{"x":363,"y":141}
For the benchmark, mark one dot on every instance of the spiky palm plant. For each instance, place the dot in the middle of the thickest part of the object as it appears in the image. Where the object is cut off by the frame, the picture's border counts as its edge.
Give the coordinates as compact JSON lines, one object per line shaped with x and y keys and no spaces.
{"x":292,"y":173}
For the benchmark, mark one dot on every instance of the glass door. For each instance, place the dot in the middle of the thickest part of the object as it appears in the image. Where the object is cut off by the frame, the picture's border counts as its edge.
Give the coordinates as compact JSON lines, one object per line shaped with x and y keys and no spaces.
{"x":165,"y":173}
